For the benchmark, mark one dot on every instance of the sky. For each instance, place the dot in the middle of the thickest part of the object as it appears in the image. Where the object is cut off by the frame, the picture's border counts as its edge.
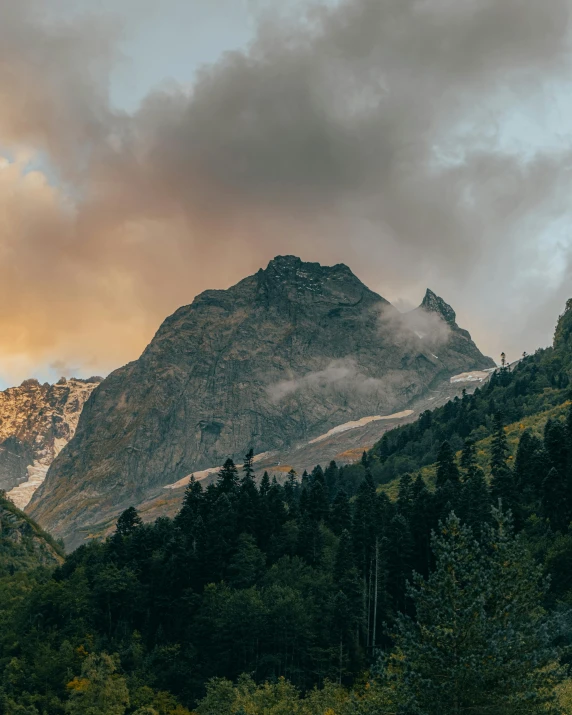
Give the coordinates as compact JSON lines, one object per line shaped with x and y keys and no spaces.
{"x":149,"y":151}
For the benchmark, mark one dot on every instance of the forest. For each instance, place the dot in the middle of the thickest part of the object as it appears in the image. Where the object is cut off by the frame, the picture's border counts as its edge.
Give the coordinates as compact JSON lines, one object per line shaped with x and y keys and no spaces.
{"x":432,"y":577}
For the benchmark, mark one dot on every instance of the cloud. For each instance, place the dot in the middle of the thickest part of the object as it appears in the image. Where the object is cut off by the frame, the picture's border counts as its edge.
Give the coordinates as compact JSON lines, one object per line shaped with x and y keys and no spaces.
{"x":370,"y":132}
{"x":412,"y":326}
{"x":340,"y":376}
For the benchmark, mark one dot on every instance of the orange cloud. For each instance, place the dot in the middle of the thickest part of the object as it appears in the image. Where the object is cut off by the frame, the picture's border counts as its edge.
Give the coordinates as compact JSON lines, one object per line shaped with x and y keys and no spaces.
{"x":320,"y":141}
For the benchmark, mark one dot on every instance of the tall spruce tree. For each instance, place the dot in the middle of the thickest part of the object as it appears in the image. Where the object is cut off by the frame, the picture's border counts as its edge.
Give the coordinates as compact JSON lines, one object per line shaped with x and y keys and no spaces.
{"x":481,"y":642}
{"x":503,"y":485}
{"x":228,"y":478}
{"x":447,"y":470}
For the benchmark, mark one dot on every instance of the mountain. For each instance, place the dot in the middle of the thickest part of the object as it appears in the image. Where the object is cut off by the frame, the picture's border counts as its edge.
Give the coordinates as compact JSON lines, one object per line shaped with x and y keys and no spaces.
{"x":36,"y":421}
{"x":23,"y":544}
{"x":280,"y":358}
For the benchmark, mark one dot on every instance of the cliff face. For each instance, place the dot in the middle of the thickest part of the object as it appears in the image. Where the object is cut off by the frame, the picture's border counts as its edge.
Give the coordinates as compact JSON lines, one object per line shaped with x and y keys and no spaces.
{"x":36,"y":421}
{"x":281,"y":357}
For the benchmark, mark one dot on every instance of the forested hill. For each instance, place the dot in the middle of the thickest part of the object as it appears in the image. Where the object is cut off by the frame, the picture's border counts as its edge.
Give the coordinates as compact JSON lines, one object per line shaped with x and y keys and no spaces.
{"x":23,"y":544}
{"x":537,"y":383}
{"x":268,"y":599}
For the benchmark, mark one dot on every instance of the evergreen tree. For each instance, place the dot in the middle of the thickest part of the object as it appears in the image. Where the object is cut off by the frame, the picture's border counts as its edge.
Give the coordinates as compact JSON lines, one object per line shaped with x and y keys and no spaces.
{"x":317,"y":507}
{"x":447,"y":470}
{"x":291,"y":489}
{"x":228,"y":478}
{"x":310,"y":541}
{"x":530,"y":465}
{"x":341,"y":514}
{"x":554,"y":505}
{"x":128,"y":521}
{"x":383,"y":449}
{"x":398,"y":553}
{"x":331,"y":478}
{"x":469,"y":458}
{"x":503,"y":485}
{"x":264,"y":484}
{"x":481,"y":643}
{"x":191,"y":507}
{"x":405,"y":495}
{"x":248,"y":468}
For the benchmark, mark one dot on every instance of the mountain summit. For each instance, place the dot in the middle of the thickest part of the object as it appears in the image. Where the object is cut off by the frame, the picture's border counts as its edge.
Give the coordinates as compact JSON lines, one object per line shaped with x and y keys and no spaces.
{"x":277,"y":359}
{"x":433,"y":304}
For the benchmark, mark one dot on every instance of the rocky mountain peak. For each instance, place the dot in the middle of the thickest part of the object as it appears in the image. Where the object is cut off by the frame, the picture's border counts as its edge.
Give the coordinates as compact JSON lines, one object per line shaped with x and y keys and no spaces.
{"x":36,"y":422}
{"x":434,"y":304}
{"x":288,"y":281}
{"x":276,"y":360}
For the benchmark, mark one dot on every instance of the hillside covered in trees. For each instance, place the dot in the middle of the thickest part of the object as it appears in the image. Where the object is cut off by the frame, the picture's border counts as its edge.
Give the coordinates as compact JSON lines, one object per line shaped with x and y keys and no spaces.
{"x":330,"y":593}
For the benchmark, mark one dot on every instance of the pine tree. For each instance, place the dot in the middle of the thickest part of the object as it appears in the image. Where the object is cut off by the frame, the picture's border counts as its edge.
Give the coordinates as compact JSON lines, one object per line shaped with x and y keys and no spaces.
{"x":469,"y":458}
{"x":383,"y":449}
{"x":447,"y":470}
{"x":480,"y":643}
{"x":346,"y":606}
{"x":366,"y":537}
{"x":530,"y":466}
{"x":291,"y":493}
{"x":503,"y":485}
{"x":248,"y":505}
{"x":264,"y":484}
{"x":474,"y":503}
{"x":398,"y":553}
{"x":128,"y":521}
{"x":247,"y":468}
{"x":310,"y":541}
{"x":405,"y":495}
{"x":554,"y":506}
{"x":228,"y":478}
{"x":340,"y":514}
{"x":190,"y":509}
{"x":331,"y":476}
{"x":317,"y":507}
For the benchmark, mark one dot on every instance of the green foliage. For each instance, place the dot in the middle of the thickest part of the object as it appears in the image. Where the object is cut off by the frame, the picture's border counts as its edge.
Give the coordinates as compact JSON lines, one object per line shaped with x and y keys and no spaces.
{"x":99,"y":690}
{"x":23,"y":544}
{"x":300,"y":585}
{"x":538,"y":383}
{"x":481,"y":642}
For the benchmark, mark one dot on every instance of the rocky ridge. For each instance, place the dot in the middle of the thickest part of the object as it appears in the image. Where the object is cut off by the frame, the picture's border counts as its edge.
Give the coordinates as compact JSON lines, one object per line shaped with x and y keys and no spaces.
{"x":36,"y":422}
{"x":23,"y":544}
{"x":276,"y":360}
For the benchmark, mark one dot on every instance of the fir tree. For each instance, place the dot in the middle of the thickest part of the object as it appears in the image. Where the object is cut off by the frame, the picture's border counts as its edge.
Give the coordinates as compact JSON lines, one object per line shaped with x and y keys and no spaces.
{"x":340,"y":514}
{"x":503,"y":485}
{"x":128,"y":521}
{"x":247,"y":468}
{"x":480,"y":643}
{"x":264,"y":484}
{"x":554,"y":505}
{"x":228,"y":478}
{"x":447,"y":470}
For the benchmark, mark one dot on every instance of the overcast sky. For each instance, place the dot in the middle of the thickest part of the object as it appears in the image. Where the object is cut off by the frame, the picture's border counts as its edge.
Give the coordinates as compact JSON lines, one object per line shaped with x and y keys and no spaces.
{"x":153,"y":150}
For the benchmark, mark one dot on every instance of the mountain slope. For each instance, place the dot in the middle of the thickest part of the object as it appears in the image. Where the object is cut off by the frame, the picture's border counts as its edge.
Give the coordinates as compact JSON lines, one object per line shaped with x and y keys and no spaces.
{"x":23,"y":544}
{"x":280,"y":358}
{"x":36,"y":421}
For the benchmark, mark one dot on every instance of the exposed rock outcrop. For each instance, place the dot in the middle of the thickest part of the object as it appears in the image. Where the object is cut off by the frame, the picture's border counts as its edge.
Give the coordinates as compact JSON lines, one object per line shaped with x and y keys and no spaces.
{"x":36,"y":421}
{"x":280,"y":358}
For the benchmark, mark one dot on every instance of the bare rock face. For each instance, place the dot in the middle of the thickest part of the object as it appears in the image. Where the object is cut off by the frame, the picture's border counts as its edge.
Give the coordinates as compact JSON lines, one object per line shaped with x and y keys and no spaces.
{"x":278,"y":359}
{"x":36,"y":421}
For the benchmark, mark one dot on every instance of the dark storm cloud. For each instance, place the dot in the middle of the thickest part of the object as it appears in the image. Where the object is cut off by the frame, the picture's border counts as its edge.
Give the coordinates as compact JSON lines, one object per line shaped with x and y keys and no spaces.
{"x":367,"y":132}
